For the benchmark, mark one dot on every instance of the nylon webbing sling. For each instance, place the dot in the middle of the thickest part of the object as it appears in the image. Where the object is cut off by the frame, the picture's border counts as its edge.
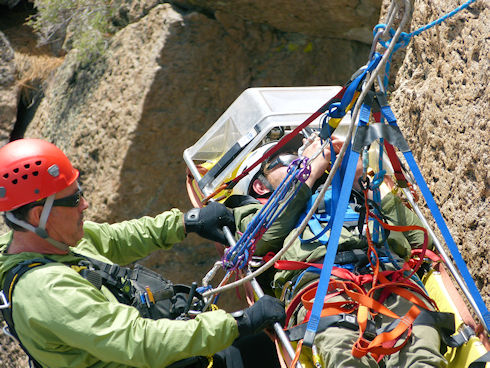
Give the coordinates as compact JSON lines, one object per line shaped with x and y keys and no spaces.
{"x":436,"y":213}
{"x":453,"y":248}
{"x":332,"y":247}
{"x":337,"y":224}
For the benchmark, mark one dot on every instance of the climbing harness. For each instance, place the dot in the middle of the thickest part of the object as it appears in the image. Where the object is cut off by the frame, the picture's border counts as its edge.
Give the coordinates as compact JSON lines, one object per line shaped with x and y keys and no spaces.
{"x":151,"y":294}
{"x":363,"y":101}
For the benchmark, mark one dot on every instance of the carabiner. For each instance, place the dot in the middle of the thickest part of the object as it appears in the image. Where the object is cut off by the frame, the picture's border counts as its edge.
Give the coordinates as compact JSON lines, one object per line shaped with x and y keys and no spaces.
{"x":3,"y":300}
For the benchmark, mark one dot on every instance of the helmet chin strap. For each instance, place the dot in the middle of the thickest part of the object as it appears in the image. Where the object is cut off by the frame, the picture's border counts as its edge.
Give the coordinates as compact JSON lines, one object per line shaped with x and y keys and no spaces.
{"x":41,"y":229}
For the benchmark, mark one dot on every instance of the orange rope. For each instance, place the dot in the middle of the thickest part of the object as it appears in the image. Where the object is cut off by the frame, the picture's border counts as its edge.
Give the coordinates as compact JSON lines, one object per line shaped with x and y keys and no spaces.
{"x":298,"y":353}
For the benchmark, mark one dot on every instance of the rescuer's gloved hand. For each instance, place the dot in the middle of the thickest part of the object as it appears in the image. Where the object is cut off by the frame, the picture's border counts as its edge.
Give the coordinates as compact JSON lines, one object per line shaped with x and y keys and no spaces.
{"x":263,"y":313}
{"x":208,"y":221}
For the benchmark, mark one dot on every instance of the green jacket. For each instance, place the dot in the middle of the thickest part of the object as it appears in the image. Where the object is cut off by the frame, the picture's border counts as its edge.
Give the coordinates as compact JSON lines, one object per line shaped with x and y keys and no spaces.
{"x":281,"y":232}
{"x":64,"y":321}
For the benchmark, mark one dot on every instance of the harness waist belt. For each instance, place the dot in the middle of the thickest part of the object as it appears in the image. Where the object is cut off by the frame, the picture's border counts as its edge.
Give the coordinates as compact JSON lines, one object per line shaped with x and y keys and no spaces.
{"x":443,"y":322}
{"x":349,"y":321}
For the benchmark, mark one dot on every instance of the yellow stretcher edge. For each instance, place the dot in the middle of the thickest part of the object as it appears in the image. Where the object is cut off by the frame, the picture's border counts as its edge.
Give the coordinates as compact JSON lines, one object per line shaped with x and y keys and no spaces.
{"x":463,"y":356}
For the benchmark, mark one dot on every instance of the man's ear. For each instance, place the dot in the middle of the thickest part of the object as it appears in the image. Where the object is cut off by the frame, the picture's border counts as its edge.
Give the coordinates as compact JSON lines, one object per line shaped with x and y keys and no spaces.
{"x":259,"y":187}
{"x":34,"y":215}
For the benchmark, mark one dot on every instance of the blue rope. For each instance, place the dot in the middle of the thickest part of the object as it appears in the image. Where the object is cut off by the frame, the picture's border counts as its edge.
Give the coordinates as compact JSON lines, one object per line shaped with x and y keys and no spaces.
{"x":453,"y":248}
{"x":237,"y":256}
{"x":441,"y":19}
{"x":405,"y":38}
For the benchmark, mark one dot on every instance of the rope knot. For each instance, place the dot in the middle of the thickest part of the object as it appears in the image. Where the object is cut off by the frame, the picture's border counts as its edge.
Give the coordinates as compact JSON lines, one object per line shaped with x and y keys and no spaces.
{"x":378,"y":179}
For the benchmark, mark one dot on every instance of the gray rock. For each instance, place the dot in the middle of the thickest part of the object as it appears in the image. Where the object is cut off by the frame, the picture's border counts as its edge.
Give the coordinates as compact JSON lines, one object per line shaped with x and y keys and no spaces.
{"x":8,"y":90}
{"x":334,"y":19}
{"x":171,"y":71}
{"x":440,"y":96}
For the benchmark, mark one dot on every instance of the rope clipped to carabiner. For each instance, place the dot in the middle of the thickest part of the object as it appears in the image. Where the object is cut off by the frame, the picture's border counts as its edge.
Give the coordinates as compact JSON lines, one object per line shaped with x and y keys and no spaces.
{"x":238,"y":256}
{"x":404,"y":39}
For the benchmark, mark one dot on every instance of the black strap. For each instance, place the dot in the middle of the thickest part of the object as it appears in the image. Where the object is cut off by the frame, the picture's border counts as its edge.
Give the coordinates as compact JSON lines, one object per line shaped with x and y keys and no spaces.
{"x":345,"y":320}
{"x":238,"y":200}
{"x":443,"y":322}
{"x":11,"y":279}
{"x":357,"y":257}
{"x":193,"y":362}
{"x":113,"y":276}
{"x":111,"y":270}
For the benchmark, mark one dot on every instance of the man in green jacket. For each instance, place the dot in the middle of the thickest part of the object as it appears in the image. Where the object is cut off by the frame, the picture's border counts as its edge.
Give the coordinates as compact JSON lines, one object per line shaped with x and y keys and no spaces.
{"x":64,"y":320}
{"x":335,"y":343}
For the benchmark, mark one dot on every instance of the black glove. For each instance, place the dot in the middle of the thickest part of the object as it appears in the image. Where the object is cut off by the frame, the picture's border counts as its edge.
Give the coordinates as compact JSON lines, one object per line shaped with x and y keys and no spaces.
{"x":208,"y":221}
{"x":263,"y":313}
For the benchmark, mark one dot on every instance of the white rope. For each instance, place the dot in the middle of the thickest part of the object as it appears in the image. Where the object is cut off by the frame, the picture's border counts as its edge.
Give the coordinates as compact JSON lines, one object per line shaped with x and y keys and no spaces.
{"x":366,"y":87}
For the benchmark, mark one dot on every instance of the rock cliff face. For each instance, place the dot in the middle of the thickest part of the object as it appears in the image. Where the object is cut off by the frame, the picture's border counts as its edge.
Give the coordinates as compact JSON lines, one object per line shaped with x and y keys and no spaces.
{"x":8,"y":88}
{"x":335,"y":19}
{"x":441,"y":97}
{"x":165,"y":79}
{"x":125,"y":118}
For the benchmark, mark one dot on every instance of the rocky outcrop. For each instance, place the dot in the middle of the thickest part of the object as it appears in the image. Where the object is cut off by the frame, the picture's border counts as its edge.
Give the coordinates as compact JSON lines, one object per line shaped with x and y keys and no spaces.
{"x":126,"y":118}
{"x":168,"y":74}
{"x":8,"y":90}
{"x":334,"y":19}
{"x":440,"y":97}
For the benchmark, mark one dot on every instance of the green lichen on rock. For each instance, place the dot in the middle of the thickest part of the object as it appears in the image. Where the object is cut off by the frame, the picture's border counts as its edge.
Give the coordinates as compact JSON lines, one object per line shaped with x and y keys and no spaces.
{"x":84,"y":25}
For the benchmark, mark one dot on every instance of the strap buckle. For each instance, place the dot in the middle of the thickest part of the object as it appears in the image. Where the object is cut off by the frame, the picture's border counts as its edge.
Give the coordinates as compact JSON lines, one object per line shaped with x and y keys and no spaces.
{"x":466,"y":332}
{"x":3,"y":300}
{"x":114,"y":270}
{"x":350,"y":321}
{"x":370,"y":332}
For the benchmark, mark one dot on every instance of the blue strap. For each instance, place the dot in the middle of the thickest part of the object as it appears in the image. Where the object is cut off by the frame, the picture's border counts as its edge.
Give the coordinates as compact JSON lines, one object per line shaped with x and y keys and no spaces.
{"x":337,"y":110}
{"x":388,"y":114}
{"x":317,"y":220}
{"x":458,"y":259}
{"x":317,"y":229}
{"x":332,"y":247}
{"x":330,"y":203}
{"x":336,"y":184}
{"x":434,"y":209}
{"x":385,"y":108}
{"x":364,"y":113}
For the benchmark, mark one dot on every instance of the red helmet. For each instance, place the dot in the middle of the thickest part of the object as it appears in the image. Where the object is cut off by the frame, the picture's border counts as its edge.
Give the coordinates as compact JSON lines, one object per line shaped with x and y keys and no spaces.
{"x":32,"y":169}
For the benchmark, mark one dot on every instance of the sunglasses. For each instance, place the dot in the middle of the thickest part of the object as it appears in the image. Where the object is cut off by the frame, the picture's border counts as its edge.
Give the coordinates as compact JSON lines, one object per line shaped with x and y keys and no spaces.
{"x":72,"y":200}
{"x":280,"y":160}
